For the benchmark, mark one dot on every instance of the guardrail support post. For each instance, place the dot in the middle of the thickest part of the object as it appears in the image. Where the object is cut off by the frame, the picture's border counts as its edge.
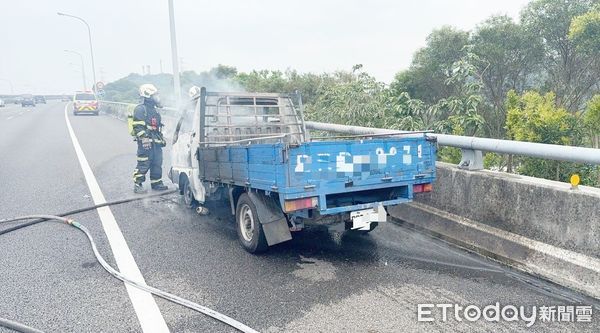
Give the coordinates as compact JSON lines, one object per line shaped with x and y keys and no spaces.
{"x":471,"y":159}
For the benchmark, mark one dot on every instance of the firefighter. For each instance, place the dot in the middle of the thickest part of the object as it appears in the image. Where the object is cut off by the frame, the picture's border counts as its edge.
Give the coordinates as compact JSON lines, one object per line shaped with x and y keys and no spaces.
{"x":194,"y":94}
{"x":147,"y":128}
{"x":187,"y":111}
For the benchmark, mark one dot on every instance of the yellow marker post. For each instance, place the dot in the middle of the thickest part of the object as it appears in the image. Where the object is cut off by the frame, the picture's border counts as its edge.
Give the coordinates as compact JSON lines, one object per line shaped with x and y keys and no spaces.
{"x":574,"y":181}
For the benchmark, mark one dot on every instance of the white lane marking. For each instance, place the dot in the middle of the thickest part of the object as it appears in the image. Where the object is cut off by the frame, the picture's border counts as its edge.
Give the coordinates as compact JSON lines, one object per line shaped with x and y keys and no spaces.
{"x":9,"y":118}
{"x":143,"y":303}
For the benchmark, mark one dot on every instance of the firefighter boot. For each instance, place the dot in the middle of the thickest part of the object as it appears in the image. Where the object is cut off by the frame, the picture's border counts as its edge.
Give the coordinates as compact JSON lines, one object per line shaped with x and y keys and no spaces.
{"x":159,"y":186}
{"x":139,"y":189}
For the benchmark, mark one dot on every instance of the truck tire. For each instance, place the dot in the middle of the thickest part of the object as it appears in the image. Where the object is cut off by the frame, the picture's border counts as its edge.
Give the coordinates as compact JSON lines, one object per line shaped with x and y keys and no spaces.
{"x":248,"y":226}
{"x":188,"y":195}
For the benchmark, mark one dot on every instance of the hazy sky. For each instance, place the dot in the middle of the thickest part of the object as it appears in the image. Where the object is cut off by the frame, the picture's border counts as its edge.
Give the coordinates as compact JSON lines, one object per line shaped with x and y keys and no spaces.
{"x":307,"y":35}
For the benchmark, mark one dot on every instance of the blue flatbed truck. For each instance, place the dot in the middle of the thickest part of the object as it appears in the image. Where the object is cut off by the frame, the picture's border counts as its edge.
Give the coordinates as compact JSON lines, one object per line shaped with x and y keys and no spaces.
{"x":254,"y":149}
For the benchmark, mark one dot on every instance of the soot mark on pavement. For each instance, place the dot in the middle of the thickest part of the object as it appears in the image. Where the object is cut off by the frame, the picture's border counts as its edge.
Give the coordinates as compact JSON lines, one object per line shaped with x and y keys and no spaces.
{"x":315,"y":270}
{"x":89,"y":264}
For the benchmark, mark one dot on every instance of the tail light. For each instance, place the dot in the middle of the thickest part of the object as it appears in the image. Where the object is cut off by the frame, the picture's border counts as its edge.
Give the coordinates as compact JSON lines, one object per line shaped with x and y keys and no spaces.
{"x":420,"y":188}
{"x":298,"y":204}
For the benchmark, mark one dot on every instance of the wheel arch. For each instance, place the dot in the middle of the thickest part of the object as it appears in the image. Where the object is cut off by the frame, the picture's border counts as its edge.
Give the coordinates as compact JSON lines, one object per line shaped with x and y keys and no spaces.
{"x":234,"y":194}
{"x":180,"y":181}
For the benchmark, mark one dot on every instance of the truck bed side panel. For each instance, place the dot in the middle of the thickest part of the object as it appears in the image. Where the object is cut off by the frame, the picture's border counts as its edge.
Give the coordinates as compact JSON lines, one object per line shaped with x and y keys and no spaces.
{"x":343,"y":164}
{"x":256,"y":166}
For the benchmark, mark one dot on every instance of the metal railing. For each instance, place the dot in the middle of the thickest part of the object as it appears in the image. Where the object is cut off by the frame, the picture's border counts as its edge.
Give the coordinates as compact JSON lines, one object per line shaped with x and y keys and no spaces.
{"x":122,"y":110}
{"x":472,"y":147}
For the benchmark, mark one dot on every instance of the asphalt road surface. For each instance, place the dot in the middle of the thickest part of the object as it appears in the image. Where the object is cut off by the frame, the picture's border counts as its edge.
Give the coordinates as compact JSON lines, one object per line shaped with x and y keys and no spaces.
{"x":318,"y":282}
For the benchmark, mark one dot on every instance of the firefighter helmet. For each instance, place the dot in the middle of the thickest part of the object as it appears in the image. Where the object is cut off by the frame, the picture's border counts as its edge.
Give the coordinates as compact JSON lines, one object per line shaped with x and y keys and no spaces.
{"x":194,"y":92}
{"x":147,"y":90}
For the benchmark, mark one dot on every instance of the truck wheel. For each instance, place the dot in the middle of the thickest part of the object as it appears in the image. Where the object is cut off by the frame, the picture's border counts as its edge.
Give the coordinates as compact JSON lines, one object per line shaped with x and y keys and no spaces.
{"x":188,"y":195}
{"x":249,"y":230}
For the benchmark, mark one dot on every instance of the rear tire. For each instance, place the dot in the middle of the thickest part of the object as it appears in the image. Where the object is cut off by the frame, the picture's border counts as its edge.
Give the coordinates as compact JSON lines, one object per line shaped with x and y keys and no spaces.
{"x":248,"y":226}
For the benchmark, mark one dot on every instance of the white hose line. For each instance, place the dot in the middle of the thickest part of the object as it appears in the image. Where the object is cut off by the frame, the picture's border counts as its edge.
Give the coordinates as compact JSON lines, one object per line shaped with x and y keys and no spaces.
{"x":168,"y":296}
{"x":173,"y":298}
{"x":15,"y":326}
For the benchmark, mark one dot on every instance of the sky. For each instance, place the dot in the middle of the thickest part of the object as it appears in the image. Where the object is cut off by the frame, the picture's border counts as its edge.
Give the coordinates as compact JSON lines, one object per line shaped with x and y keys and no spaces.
{"x":307,"y":35}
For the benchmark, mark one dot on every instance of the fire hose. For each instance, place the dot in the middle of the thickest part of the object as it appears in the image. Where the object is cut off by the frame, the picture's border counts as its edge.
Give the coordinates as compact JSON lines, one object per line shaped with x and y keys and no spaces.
{"x":155,"y":291}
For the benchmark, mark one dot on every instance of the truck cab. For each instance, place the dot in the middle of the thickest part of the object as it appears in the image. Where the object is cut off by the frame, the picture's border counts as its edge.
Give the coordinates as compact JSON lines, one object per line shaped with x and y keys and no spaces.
{"x":253,"y":149}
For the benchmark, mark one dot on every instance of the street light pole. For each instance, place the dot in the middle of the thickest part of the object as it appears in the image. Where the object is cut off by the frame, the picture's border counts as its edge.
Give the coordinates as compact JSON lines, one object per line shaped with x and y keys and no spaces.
{"x":91,"y":47}
{"x":174,"y":57}
{"x":82,"y":67}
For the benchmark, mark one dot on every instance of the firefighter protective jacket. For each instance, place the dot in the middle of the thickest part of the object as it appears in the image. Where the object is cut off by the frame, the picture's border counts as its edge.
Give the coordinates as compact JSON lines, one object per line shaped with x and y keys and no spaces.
{"x":147,"y":123}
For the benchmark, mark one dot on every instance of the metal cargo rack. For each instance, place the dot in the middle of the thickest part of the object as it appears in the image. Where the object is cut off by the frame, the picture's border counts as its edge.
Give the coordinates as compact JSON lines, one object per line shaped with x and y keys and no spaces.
{"x":244,"y":118}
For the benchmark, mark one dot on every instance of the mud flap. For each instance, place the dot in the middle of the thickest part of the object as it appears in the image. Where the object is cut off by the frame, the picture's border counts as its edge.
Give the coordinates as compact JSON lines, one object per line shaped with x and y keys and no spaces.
{"x":271,"y":217}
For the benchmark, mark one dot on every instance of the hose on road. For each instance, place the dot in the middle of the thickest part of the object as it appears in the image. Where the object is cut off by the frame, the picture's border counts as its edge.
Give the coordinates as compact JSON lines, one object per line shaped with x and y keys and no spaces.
{"x":163,"y":294}
{"x":15,"y":326}
{"x":82,"y":210}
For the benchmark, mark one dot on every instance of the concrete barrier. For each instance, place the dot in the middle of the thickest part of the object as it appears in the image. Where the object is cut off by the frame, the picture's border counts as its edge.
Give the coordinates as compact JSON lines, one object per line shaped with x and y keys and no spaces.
{"x":539,"y":226}
{"x":117,"y":110}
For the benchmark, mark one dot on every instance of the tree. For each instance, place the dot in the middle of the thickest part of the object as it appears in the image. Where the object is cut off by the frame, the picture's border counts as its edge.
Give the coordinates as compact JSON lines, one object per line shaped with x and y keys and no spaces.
{"x":122,"y":90}
{"x":223,"y":72}
{"x":426,"y":77}
{"x":591,"y":119}
{"x":584,"y":31}
{"x":356,"y":99}
{"x":534,"y":117}
{"x":571,"y":74}
{"x":262,"y":81}
{"x":509,"y":59}
{"x":457,"y":114}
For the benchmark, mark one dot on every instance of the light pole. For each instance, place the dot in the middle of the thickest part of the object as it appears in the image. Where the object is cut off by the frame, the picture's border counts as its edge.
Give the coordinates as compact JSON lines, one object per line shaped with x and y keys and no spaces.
{"x":174,"y":57}
{"x":91,"y":48}
{"x":12,"y":90}
{"x":82,"y":67}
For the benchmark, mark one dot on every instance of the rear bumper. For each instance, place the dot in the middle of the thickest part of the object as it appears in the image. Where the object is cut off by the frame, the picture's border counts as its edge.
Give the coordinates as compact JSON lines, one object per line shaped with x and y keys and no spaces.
{"x":353,"y":208}
{"x":85,"y":109}
{"x":335,"y":200}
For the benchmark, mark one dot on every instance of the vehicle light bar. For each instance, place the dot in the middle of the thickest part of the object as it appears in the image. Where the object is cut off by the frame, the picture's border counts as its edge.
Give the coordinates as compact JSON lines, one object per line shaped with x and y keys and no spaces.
{"x":297,"y":204}
{"x":420,"y":188}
